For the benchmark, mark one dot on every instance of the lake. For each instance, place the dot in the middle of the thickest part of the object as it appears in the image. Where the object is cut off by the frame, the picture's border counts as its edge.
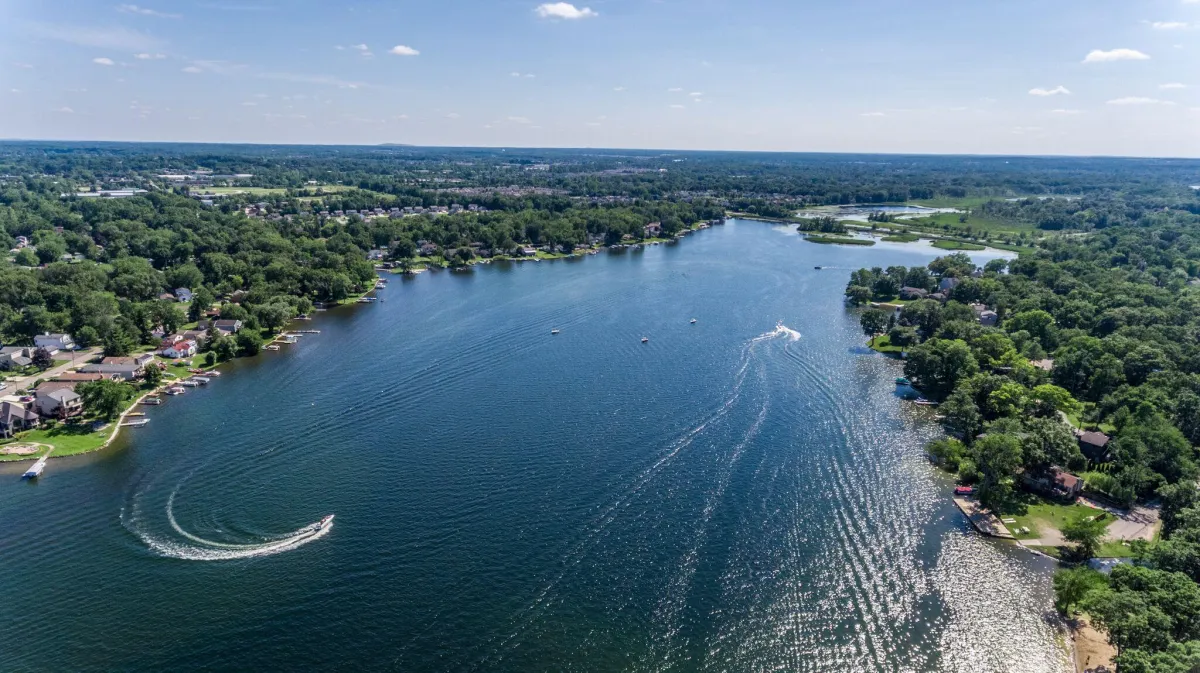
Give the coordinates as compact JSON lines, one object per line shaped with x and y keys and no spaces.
{"x":742,"y":493}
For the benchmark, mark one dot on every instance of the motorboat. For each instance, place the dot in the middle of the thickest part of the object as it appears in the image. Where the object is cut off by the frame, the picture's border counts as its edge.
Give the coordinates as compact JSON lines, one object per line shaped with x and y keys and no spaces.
{"x":693,"y":321}
{"x":137,"y":423}
{"x":175,"y":390}
{"x":152,"y":401}
{"x":322,"y":524}
{"x":555,"y":331}
{"x":645,"y":339}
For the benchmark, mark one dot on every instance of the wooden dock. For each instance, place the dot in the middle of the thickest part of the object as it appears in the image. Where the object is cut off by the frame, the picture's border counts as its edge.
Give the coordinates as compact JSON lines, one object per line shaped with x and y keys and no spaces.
{"x":984,"y":521}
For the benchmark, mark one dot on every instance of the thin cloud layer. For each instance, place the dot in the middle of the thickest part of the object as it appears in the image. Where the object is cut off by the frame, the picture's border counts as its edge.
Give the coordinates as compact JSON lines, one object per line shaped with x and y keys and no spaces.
{"x":564,"y":10}
{"x":403,"y":50}
{"x":1060,"y":89}
{"x":1101,"y":56}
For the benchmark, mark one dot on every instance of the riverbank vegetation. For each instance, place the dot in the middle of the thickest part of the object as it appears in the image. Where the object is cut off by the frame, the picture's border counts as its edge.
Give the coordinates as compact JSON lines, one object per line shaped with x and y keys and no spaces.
{"x":1101,"y":331}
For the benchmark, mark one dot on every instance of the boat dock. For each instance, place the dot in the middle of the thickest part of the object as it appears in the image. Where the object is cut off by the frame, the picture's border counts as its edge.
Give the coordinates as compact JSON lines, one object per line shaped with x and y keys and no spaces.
{"x":35,"y":470}
{"x":984,"y":521}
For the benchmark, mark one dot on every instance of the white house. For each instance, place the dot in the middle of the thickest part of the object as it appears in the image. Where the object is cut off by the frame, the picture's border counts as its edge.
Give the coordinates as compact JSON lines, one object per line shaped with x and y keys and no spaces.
{"x":54,"y":342}
{"x":183,"y":294}
{"x":178,"y":348}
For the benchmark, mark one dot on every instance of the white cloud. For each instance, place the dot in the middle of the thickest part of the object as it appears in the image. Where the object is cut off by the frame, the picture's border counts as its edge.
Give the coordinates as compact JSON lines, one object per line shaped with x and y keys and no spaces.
{"x":1168,"y":25}
{"x":1049,"y":92}
{"x":400,"y":117}
{"x":453,"y":115}
{"x":249,"y":103}
{"x":564,"y":10}
{"x":696,"y":94}
{"x":1138,"y":100}
{"x":145,"y":11}
{"x":192,"y":69}
{"x":25,"y":66}
{"x":102,"y":61}
{"x":519,"y":120}
{"x":120,"y":39}
{"x":872,"y":114}
{"x":678,"y":107}
{"x":65,"y":110}
{"x":15,"y":90}
{"x":618,"y":88}
{"x":149,"y":57}
{"x":402,"y":50}
{"x":361,"y":47}
{"x":527,"y":75}
{"x":1064,"y":111}
{"x":675,"y":89}
{"x":1101,"y":56}
{"x":1172,"y":85}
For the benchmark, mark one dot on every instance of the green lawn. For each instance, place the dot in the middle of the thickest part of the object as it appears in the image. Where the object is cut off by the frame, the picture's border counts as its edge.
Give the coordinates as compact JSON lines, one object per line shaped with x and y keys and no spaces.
{"x":976,"y":223}
{"x":1039,"y":514}
{"x":962,"y":203}
{"x":884,"y":345}
{"x":901,"y":238}
{"x":256,"y":191}
{"x":835,"y":240}
{"x":947,"y":244}
{"x":67,"y":439}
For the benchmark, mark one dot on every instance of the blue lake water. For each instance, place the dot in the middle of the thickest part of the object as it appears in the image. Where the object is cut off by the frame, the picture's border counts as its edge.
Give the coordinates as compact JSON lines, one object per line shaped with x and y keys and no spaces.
{"x":744,"y":493}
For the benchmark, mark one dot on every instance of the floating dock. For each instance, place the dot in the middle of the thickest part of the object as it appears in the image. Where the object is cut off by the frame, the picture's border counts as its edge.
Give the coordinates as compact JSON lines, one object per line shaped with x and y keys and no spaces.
{"x":984,"y":521}
{"x":35,"y":470}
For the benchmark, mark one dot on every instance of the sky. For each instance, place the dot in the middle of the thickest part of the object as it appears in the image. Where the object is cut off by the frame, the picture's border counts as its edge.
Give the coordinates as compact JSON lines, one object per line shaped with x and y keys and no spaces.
{"x":1074,"y":77}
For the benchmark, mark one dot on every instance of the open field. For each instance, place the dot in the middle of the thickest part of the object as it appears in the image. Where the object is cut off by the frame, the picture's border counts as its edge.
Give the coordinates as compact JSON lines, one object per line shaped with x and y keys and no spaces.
{"x":835,"y":240}
{"x":976,"y":223}
{"x":948,"y":244}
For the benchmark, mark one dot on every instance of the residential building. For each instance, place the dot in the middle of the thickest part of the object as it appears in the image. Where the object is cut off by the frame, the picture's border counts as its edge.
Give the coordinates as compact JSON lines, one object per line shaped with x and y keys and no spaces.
{"x":77,"y":377}
{"x":652,"y":230}
{"x":58,"y":400}
{"x":183,"y":294}
{"x":1044,"y":365}
{"x":178,"y":347}
{"x":54,"y":342}
{"x":947,"y":285}
{"x":14,"y":418}
{"x":124,"y":372}
{"x":1094,"y":445}
{"x":913,"y":293}
{"x":15,"y":356}
{"x":226,"y":327}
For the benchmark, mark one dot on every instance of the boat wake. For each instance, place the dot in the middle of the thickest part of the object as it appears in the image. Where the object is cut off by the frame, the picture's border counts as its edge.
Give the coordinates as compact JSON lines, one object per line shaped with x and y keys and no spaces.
{"x":781,"y":330}
{"x":201,"y":549}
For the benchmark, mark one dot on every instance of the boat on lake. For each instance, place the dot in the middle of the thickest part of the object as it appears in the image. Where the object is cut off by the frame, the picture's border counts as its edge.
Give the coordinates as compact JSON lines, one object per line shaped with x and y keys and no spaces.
{"x":817,"y":268}
{"x":271,"y":347}
{"x":693,"y":321}
{"x":645,"y":339}
{"x":922,"y":402}
{"x":35,"y":470}
{"x":554,"y":331}
{"x":137,"y":423}
{"x":190,"y":383}
{"x":202,"y":380}
{"x":321,"y":525}
{"x":901,"y":381}
{"x":175,"y":390}
{"x":152,"y":401}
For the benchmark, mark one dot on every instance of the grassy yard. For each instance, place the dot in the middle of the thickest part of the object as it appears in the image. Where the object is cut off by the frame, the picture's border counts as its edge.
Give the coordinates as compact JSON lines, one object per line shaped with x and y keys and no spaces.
{"x":256,"y":191}
{"x":962,"y":203}
{"x":948,"y":244}
{"x":901,"y":238}
{"x":1040,"y":515}
{"x":835,"y":240}
{"x":977,"y":224}
{"x":884,"y":345}
{"x":67,"y":439}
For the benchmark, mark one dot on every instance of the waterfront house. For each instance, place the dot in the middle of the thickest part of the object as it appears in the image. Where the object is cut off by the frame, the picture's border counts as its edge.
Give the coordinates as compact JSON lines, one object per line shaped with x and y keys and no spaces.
{"x":124,"y":372}
{"x":58,"y":400}
{"x":177,"y":347}
{"x":226,"y":327}
{"x":910,"y":293}
{"x":1094,"y":445}
{"x":54,"y":342}
{"x":1054,"y":483}
{"x":141,"y":360}
{"x":14,"y":418}
{"x":528,"y":251}
{"x":652,"y":230}
{"x":78,"y":377}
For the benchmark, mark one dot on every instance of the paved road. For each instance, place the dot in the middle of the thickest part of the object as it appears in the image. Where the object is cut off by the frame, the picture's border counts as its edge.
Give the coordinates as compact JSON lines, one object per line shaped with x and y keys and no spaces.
{"x":80,"y":358}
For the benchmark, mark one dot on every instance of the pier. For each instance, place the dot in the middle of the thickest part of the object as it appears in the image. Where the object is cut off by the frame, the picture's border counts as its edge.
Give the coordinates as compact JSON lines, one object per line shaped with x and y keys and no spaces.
{"x":984,"y":521}
{"x":35,"y":470}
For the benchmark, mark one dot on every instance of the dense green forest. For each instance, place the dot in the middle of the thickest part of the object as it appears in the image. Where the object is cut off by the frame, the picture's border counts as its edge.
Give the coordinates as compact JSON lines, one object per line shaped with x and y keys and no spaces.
{"x":1118,"y":314}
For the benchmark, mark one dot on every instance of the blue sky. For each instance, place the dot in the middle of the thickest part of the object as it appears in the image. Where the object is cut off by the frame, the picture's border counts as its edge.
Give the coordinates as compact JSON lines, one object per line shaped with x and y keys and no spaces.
{"x":934,"y":76}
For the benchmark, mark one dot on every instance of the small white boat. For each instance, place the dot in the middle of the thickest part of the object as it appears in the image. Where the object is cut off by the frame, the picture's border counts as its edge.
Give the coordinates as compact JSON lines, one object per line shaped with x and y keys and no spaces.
{"x":693,"y":321}
{"x":212,"y":373}
{"x":645,"y":339}
{"x":271,"y":347}
{"x":554,"y":331}
{"x":138,"y":423}
{"x":152,"y":401}
{"x":190,"y":384}
{"x":174,"y":390}
{"x":202,"y":380}
{"x":35,"y":470}
{"x":322,"y":524}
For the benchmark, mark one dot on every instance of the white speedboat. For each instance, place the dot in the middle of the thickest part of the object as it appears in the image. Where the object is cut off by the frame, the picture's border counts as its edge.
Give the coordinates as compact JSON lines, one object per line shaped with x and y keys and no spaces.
{"x":554,"y":331}
{"x":322,"y":524}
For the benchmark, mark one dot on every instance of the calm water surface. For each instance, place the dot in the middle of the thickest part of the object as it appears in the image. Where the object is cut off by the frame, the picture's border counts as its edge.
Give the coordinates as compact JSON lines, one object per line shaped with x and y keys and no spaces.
{"x":742,"y":494}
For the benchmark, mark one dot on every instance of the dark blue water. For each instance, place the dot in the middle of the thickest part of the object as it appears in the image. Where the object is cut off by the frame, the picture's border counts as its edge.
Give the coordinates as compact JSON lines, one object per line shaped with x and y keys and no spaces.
{"x":744,"y":493}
